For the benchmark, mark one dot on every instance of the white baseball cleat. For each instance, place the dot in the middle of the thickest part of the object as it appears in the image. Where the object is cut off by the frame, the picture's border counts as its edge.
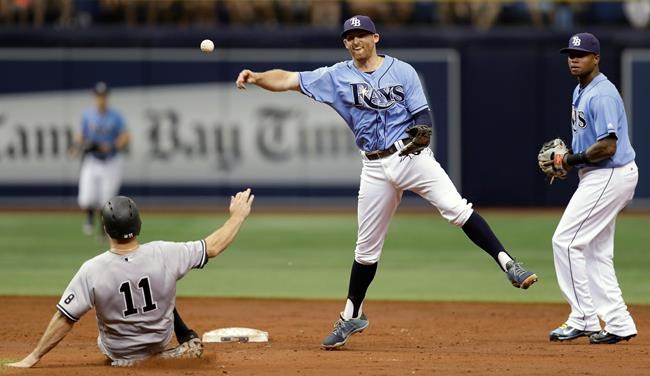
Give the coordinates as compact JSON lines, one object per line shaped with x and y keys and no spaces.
{"x":87,"y":229}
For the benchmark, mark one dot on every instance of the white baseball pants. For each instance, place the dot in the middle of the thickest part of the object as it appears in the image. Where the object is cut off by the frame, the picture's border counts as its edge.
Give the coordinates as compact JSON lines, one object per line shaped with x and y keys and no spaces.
{"x":583,"y":250}
{"x":99,"y":181}
{"x":382,"y":183}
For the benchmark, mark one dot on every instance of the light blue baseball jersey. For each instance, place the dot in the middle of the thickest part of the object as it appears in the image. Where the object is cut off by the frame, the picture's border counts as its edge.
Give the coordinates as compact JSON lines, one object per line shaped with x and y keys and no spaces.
{"x":597,"y":112}
{"x":102,"y":128}
{"x":377,"y":106}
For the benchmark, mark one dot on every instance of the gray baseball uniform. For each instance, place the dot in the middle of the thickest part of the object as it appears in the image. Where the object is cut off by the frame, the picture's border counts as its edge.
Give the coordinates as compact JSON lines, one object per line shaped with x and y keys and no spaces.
{"x":134,"y":295}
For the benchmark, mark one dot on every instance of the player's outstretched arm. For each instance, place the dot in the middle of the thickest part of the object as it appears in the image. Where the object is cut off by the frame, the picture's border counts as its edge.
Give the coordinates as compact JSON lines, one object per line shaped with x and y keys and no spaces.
{"x":58,"y":328}
{"x":273,"y":80}
{"x":240,"y":208}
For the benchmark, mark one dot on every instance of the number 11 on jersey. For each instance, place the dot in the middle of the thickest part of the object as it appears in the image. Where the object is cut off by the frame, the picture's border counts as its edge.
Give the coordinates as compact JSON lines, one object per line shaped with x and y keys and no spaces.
{"x":145,"y":286}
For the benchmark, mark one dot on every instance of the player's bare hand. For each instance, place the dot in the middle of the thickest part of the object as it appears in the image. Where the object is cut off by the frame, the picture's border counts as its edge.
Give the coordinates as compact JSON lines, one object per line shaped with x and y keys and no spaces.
{"x":245,"y":77}
{"x":74,"y":151}
{"x":240,"y":204}
{"x":28,"y":362}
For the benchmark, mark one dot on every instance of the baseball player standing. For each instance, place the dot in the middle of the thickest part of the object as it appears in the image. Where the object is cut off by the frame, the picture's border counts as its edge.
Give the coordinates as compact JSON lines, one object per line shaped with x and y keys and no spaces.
{"x":382,"y":101}
{"x":133,"y":287}
{"x":100,"y":141}
{"x":583,"y":243}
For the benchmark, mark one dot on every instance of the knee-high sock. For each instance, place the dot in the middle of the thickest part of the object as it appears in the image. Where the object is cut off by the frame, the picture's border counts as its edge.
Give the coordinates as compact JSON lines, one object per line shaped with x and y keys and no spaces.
{"x":360,"y":278}
{"x":90,"y":216}
{"x":182,"y":332}
{"x":479,"y":232}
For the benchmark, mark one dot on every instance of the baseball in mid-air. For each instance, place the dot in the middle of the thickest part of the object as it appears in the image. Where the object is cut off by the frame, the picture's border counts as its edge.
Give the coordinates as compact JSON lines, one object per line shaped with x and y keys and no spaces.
{"x":207,"y":46}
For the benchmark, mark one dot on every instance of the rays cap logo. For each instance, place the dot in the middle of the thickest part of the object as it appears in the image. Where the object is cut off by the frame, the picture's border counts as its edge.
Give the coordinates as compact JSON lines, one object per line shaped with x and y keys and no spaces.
{"x":358,"y":22}
{"x":584,"y":42}
{"x":575,"y":41}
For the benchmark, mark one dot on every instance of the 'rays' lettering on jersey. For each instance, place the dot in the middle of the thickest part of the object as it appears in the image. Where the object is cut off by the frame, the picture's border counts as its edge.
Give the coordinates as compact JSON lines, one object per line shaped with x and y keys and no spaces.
{"x":577,"y":119}
{"x":380,"y":99}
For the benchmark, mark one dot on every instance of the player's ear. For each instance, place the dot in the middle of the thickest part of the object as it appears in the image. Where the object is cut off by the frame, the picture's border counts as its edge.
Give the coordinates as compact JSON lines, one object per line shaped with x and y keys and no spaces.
{"x":375,"y":37}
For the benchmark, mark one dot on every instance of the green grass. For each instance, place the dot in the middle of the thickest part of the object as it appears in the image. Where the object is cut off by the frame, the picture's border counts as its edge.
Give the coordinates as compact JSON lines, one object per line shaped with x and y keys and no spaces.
{"x":309,"y":256}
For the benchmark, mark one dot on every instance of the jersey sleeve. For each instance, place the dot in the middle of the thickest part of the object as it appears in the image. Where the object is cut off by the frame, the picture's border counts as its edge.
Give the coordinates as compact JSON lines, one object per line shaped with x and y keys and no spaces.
{"x":78,"y":297}
{"x":318,"y":84}
{"x":416,"y":101}
{"x":605,"y":111}
{"x":180,"y":258}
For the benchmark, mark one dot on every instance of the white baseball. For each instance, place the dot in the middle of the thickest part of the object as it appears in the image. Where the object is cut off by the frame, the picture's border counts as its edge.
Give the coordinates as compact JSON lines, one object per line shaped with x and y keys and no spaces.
{"x":207,"y":46}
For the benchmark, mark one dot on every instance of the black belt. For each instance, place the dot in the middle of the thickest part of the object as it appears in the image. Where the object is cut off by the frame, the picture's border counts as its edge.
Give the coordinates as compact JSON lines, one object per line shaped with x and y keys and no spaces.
{"x":102,"y":156}
{"x":379,"y":154}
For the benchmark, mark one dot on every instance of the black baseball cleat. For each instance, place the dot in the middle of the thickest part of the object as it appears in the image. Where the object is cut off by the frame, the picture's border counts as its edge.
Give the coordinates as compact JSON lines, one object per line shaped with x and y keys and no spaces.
{"x":565,"y":332}
{"x":605,"y":337}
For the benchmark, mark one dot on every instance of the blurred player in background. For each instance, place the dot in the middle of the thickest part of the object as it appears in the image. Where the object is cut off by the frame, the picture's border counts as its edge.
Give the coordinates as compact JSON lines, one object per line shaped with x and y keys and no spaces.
{"x":382,"y":101}
{"x":101,"y":139}
{"x":583,"y":243}
{"x":132,"y":287}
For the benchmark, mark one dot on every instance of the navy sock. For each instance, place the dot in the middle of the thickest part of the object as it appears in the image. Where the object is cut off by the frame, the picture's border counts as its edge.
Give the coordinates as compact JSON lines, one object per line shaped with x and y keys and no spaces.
{"x":479,"y":232}
{"x":90,"y":216}
{"x":182,"y":332}
{"x":360,"y":278}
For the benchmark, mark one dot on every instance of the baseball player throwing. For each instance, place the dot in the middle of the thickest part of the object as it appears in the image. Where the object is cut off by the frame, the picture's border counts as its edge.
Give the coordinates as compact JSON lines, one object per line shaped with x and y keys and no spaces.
{"x":583,"y":243}
{"x":102,"y":137}
{"x":382,"y":101}
{"x":133,"y":287}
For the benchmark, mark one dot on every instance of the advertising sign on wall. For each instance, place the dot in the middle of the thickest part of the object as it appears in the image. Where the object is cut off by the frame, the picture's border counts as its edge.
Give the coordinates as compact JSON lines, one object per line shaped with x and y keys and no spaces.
{"x":190,"y":126}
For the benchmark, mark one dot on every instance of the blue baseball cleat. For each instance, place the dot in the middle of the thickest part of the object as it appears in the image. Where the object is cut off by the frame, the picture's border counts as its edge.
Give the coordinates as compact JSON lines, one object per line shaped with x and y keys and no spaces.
{"x":518,"y":276}
{"x":343,"y":329}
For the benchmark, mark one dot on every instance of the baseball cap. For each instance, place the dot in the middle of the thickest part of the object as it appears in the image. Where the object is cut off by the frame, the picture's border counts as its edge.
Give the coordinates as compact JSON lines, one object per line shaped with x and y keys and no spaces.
{"x":584,"y":42}
{"x":358,"y":22}
{"x":101,"y":88}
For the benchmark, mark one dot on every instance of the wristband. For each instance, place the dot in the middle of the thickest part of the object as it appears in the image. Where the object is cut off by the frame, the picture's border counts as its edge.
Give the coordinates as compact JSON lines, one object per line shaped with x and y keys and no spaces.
{"x":579,"y":158}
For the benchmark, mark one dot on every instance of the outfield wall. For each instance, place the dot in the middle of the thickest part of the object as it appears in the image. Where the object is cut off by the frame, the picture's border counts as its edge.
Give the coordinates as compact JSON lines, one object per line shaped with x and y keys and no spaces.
{"x":496,"y":97}
{"x":193,"y":132}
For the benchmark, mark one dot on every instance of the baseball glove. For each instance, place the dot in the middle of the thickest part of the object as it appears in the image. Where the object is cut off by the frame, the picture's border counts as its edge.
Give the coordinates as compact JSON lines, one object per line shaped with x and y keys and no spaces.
{"x":550,"y":159}
{"x":420,"y":139}
{"x":89,"y":147}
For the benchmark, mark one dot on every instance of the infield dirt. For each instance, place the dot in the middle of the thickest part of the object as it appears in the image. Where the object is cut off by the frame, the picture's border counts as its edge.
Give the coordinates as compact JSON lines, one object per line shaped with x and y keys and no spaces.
{"x":404,"y":338}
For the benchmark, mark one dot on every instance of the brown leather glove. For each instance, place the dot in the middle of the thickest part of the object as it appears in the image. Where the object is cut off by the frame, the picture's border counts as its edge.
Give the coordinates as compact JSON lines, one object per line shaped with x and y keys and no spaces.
{"x":420,"y":139}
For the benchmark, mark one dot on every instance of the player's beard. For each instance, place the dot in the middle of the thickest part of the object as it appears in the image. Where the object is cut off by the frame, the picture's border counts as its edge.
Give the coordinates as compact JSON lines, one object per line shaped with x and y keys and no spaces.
{"x":582,"y":72}
{"x":363,"y":54}
{"x":577,"y":71}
